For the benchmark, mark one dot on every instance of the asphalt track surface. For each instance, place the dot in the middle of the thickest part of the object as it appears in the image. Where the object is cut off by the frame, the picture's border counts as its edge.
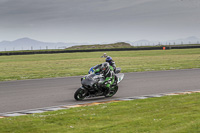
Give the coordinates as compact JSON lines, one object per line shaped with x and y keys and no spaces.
{"x":40,"y":93}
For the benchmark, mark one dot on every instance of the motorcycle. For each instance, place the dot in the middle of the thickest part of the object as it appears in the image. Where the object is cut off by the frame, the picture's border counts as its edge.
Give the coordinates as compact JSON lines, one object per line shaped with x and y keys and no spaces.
{"x":91,"y":87}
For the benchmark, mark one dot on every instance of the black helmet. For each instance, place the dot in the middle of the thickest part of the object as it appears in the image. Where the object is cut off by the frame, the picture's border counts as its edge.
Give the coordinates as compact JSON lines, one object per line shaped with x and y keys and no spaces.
{"x":105,"y":67}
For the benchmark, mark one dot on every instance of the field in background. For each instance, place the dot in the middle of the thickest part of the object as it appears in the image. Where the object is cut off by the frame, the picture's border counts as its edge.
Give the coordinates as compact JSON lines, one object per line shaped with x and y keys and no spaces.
{"x":20,"y":67}
{"x":156,"y":115}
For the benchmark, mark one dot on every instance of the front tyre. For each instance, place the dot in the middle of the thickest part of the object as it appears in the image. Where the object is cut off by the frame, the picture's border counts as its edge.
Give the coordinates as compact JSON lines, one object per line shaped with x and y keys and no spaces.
{"x":80,"y":94}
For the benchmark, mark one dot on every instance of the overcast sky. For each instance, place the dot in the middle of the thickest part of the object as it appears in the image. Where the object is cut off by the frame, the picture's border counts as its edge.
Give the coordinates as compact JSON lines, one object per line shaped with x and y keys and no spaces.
{"x":97,"y":21}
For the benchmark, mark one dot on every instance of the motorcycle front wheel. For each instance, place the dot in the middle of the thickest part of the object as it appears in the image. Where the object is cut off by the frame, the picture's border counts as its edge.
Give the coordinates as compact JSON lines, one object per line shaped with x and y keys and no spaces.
{"x":80,"y":94}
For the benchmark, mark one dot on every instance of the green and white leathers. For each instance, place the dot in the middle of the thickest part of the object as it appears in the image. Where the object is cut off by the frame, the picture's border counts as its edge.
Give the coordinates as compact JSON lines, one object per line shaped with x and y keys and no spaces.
{"x":108,"y":73}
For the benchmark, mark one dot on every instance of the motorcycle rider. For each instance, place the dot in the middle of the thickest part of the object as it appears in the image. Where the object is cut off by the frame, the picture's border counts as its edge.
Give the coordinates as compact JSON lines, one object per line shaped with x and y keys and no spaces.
{"x":108,"y":59}
{"x":104,"y":55}
{"x":108,"y":74}
{"x":111,"y":62}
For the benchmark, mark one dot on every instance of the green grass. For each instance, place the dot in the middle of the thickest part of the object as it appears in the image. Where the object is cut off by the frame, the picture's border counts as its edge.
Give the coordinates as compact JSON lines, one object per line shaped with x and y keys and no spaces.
{"x":20,"y":67}
{"x":157,"y":115}
{"x":168,"y":114}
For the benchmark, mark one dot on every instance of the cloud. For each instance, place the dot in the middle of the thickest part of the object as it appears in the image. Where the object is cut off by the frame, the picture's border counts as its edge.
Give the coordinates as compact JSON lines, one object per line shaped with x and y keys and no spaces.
{"x":45,"y":10}
{"x":95,"y":18}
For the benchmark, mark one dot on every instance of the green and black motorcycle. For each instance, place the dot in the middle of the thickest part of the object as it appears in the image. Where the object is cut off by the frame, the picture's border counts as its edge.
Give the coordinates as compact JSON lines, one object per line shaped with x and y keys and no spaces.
{"x":90,"y":87}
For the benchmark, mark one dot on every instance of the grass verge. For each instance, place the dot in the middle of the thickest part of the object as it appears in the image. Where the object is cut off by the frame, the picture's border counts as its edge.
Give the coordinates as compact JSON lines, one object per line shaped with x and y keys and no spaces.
{"x":167,"y":114}
{"x":20,"y":67}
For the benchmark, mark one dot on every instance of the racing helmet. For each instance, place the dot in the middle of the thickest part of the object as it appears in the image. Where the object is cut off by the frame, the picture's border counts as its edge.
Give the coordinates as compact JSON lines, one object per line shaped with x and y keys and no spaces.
{"x":108,"y":59}
{"x":105,"y":67}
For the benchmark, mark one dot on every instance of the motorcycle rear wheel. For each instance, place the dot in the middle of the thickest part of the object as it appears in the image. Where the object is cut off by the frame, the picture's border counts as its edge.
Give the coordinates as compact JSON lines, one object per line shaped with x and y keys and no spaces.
{"x":112,"y":92}
{"x":80,"y":94}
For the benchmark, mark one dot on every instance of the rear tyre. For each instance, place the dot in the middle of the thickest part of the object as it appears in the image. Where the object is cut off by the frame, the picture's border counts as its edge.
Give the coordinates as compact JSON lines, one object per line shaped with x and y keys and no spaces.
{"x":112,"y":92}
{"x":80,"y":94}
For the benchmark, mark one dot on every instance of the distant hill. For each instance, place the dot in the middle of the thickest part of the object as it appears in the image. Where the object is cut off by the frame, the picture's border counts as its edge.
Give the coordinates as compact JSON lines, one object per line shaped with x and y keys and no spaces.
{"x":141,"y":43}
{"x":102,"y":46}
{"x":30,"y":44}
{"x":188,"y":40}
